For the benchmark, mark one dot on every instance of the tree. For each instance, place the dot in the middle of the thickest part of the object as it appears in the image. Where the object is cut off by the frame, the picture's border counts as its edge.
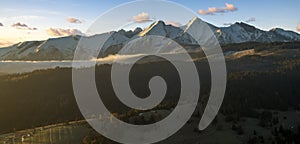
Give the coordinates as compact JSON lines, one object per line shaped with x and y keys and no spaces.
{"x":254,"y":132}
{"x":240,"y":130}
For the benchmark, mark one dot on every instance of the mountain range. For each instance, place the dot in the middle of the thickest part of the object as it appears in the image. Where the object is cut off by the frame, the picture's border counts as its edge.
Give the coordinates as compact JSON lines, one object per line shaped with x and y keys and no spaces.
{"x":63,"y":48}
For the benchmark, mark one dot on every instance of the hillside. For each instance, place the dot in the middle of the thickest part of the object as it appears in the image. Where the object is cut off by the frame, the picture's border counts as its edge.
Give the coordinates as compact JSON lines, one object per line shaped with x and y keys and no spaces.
{"x":267,"y":78}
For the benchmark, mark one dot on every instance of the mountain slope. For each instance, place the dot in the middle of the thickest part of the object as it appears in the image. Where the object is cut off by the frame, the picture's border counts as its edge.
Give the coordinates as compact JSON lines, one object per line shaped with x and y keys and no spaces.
{"x":63,"y":48}
{"x":161,"y":29}
{"x":56,"y":48}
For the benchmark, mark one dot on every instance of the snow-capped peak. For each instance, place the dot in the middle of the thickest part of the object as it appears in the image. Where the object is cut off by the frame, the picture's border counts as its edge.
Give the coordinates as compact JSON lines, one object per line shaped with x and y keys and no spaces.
{"x":64,"y":47}
{"x":194,"y":22}
{"x":156,"y":28}
{"x":161,"y":29}
{"x":288,"y":34}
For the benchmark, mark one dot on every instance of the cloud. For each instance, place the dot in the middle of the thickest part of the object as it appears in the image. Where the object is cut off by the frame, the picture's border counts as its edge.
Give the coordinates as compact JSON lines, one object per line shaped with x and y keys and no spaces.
{"x":21,"y":26}
{"x":229,"y":7}
{"x":298,"y":27}
{"x":74,"y":20}
{"x":1,"y":24}
{"x":251,"y":20}
{"x":63,"y":32}
{"x":141,"y":18}
{"x":214,"y":10}
{"x":227,"y":24}
{"x":173,"y":23}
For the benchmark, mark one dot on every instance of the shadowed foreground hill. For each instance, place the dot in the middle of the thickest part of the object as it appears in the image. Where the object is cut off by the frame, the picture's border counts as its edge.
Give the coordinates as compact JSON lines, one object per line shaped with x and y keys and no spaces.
{"x":266,"y":79}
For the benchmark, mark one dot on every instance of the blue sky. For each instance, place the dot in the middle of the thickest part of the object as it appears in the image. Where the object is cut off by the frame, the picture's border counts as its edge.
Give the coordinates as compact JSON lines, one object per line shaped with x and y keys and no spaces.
{"x":45,"y":14}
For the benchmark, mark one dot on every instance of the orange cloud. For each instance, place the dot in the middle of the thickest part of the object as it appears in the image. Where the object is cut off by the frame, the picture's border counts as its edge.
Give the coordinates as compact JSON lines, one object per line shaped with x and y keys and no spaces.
{"x":298,"y":27}
{"x":74,"y":20}
{"x":229,"y":7}
{"x":141,"y":18}
{"x":213,"y":10}
{"x":63,"y":32}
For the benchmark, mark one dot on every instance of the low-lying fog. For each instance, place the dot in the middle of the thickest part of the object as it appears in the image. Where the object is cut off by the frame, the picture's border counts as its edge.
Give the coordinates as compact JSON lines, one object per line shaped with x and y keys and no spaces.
{"x":13,"y":66}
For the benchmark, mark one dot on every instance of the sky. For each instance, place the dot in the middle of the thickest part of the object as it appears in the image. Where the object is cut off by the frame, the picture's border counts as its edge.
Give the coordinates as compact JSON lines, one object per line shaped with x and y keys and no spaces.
{"x":23,"y":20}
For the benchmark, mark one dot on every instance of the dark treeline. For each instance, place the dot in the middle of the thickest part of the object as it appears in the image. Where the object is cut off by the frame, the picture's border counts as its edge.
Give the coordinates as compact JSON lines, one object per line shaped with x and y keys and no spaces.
{"x":46,"y":97}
